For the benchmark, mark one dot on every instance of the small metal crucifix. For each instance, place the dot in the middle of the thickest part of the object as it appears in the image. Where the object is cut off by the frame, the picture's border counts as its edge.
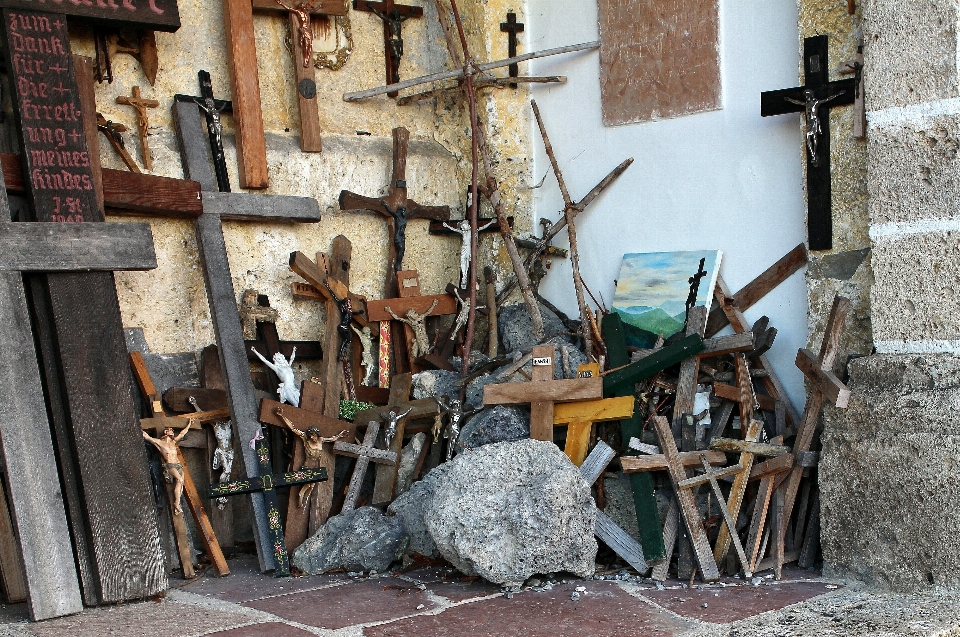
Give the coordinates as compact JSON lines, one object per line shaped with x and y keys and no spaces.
{"x":393,"y":17}
{"x":815,"y":100}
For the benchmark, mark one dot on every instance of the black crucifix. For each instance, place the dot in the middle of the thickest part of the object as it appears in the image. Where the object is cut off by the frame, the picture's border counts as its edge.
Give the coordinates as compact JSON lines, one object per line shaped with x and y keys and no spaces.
{"x":395,"y":207}
{"x":512,"y":27}
{"x":814,"y":99}
{"x":212,"y":109}
{"x":393,"y":17}
{"x":77,"y":314}
{"x":267,"y":484}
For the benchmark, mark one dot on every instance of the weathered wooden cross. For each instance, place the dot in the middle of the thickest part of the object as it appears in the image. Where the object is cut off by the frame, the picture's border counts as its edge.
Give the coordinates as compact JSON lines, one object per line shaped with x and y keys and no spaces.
{"x":364,"y":453}
{"x":393,"y":16}
{"x":580,"y":417}
{"x":219,"y":206}
{"x":543,"y":392}
{"x":90,"y":396}
{"x":512,"y":28}
{"x":814,"y":99}
{"x":140,"y":105}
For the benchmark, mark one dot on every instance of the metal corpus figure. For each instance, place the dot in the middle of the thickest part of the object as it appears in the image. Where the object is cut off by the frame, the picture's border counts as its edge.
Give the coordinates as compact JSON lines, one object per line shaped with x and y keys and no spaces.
{"x":394,"y":21}
{"x":346,"y":315}
{"x":302,"y":11}
{"x":456,"y":416}
{"x":813,"y":128}
{"x":399,"y":232}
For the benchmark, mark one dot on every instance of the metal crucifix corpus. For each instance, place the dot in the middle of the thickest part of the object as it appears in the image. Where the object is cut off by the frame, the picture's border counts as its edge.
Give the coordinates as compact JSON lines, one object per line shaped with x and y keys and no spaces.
{"x":212,"y":109}
{"x":140,"y":105}
{"x":393,"y":16}
{"x":814,"y":99}
{"x":396,"y":208}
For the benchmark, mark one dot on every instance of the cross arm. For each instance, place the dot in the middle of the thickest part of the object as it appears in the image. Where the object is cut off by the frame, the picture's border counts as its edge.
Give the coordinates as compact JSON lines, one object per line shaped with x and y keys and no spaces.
{"x":224,"y":106}
{"x":731,"y":445}
{"x":57,"y":247}
{"x":238,"y":206}
{"x":377,"y":310}
{"x":405,"y":10}
{"x":419,"y":409}
{"x":594,"y":410}
{"x":317,"y":7}
{"x":317,"y":278}
{"x":260,"y":483}
{"x":824,"y":379}
{"x":352,"y":201}
{"x":416,"y":211}
{"x":731,"y":344}
{"x":658,"y":462}
{"x":706,"y":477}
{"x":556,"y":391}
{"x":356,"y":451}
{"x":775,"y":102}
{"x":772,"y":466}
{"x":303,"y":419}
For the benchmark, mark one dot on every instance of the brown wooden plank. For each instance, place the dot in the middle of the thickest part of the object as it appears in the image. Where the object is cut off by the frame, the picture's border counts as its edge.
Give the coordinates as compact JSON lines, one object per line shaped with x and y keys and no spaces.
{"x":83,"y":66}
{"x":318,"y":8}
{"x":696,"y":481}
{"x":720,"y":345}
{"x":833,"y":389}
{"x":658,"y":462}
{"x":670,"y":528}
{"x":178,"y":398}
{"x":386,"y":481}
{"x":245,"y":89}
{"x":731,"y":392}
{"x":161,"y":15}
{"x":594,"y":410}
{"x":761,"y":504}
{"x":310,"y":141}
{"x":725,"y":513}
{"x":377,"y":310}
{"x":542,"y":410}
{"x":752,"y":292}
{"x":558,"y":391}
{"x":737,"y":491}
{"x":731,"y":445}
{"x":11,"y":565}
{"x":685,"y":499}
{"x":772,"y":466}
{"x":207,"y":534}
{"x":689,"y":370}
{"x":303,"y":419}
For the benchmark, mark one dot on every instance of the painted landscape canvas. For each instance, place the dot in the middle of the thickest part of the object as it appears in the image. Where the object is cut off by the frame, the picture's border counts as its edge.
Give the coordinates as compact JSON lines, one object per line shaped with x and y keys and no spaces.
{"x":652,"y":292}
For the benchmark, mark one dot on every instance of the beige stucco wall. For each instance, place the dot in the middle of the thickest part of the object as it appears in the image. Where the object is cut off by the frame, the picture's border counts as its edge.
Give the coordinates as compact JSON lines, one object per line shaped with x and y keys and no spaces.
{"x":169,"y":303}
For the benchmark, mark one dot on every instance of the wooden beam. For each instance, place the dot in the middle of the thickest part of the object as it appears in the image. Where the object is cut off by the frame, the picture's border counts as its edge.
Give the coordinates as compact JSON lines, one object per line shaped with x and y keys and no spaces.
{"x":720,"y":345}
{"x":377,"y":310}
{"x":648,"y":366}
{"x":317,"y":8}
{"x":658,"y":462}
{"x":772,"y":466}
{"x":696,"y":481}
{"x":72,"y":247}
{"x":558,"y":391}
{"x":737,"y":491}
{"x":826,"y":381}
{"x":731,"y":445}
{"x":732,"y":393}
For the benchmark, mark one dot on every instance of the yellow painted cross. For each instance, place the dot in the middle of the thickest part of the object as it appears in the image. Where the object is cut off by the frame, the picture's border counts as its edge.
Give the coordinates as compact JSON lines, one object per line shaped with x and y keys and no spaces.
{"x":580,"y":416}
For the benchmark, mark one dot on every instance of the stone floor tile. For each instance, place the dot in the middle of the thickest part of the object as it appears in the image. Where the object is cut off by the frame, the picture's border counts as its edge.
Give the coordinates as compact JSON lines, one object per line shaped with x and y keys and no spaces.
{"x":371,"y":600}
{"x":732,"y":603}
{"x":141,"y":619}
{"x":246,"y":582}
{"x":456,"y":590}
{"x":604,"y":610}
{"x":272,"y":629}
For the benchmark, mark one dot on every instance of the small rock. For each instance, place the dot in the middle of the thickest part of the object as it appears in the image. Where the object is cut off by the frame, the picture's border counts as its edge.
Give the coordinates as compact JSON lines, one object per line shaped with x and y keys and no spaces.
{"x":359,"y":540}
{"x":659,"y":586}
{"x":516,"y":327}
{"x":497,"y":424}
{"x":703,"y":605}
{"x":580,"y":589}
{"x":756,"y":581}
{"x":575,"y":596}
{"x":422,"y":606}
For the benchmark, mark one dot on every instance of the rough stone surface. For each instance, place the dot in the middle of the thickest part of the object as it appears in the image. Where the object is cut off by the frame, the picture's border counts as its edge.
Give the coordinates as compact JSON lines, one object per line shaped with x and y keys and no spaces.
{"x":411,"y":510}
{"x":360,"y":540}
{"x":888,"y":474}
{"x":620,"y":505}
{"x":514,"y":326}
{"x":912,"y":47}
{"x":435,"y":382}
{"x":914,"y":169}
{"x":509,"y":510}
{"x":409,"y":456}
{"x":913,"y":296}
{"x":499,"y":423}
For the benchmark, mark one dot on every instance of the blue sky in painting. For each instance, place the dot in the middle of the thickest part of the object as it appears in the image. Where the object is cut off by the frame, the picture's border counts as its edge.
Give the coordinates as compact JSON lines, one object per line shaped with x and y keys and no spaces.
{"x":654,"y":278}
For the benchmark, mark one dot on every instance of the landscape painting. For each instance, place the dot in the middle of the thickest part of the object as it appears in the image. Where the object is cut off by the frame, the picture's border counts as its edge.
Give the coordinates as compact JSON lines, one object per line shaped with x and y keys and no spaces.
{"x":652,"y":292}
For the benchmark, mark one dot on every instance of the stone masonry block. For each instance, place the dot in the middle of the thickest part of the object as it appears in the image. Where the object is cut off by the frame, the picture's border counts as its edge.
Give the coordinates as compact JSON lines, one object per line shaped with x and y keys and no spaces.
{"x":888,"y":474}
{"x":910,"y":51}
{"x":913,"y":170}
{"x":916,"y":291}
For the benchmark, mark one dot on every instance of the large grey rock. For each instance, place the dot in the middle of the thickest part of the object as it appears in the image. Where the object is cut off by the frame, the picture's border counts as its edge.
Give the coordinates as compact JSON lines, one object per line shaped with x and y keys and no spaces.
{"x":435,"y":382}
{"x":512,"y":509}
{"x":411,"y":510}
{"x":495,"y":424}
{"x":515,"y":326}
{"x":360,"y":540}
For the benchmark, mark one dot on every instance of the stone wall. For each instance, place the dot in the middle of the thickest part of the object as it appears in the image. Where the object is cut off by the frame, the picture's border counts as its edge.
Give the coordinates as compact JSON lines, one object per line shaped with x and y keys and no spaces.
{"x":888,"y":468}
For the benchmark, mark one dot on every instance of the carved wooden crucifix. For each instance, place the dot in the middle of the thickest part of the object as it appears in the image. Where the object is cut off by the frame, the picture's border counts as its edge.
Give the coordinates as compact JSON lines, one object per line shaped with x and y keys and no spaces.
{"x":814,"y":99}
{"x":393,"y":16}
{"x":140,"y":105}
{"x":218,"y":206}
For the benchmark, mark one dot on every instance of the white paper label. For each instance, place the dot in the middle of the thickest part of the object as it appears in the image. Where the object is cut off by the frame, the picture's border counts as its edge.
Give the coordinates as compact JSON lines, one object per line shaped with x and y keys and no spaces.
{"x":542,"y":362}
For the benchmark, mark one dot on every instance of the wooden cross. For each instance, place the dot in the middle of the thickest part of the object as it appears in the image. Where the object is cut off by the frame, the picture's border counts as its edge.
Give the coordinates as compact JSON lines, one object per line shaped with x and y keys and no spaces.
{"x":815,"y":99}
{"x":267,"y":483}
{"x":735,"y":500}
{"x":512,"y":27}
{"x":219,"y":206}
{"x":140,"y":105}
{"x":728,"y":519}
{"x":157,"y":423}
{"x":605,"y":528}
{"x":543,"y":392}
{"x":80,"y":336}
{"x":686,"y":502}
{"x":393,"y":16}
{"x":304,"y":522}
{"x":301,"y":39}
{"x":855,"y":66}
{"x":395,"y":208}
{"x":364,"y":453}
{"x":408,"y":285}
{"x":111,"y":130}
{"x":580,"y":416}
{"x":213,"y":109}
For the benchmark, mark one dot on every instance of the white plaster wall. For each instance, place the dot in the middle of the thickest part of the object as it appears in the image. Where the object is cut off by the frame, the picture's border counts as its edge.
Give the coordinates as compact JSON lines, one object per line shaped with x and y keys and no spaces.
{"x":727,"y":179}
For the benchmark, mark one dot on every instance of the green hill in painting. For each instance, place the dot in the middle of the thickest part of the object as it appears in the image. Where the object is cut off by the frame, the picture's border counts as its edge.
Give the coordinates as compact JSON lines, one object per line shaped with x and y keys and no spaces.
{"x":655,"y":321}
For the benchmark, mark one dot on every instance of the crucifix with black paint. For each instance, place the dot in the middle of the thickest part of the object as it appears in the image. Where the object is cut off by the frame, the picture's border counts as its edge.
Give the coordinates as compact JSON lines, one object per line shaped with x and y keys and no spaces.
{"x":393,"y":16}
{"x":512,"y":28}
{"x":814,"y":99}
{"x":212,"y":109}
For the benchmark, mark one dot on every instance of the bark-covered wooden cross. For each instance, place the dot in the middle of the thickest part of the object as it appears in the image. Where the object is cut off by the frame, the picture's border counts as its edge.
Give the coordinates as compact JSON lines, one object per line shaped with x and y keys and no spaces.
{"x":396,"y":208}
{"x":815,"y":99}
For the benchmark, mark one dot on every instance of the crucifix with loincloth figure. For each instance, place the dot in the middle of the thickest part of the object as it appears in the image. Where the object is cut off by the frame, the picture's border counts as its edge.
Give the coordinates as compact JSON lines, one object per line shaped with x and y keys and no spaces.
{"x":140,"y":105}
{"x":393,"y":16}
{"x":221,"y":296}
{"x":814,"y":100}
{"x":76,"y":314}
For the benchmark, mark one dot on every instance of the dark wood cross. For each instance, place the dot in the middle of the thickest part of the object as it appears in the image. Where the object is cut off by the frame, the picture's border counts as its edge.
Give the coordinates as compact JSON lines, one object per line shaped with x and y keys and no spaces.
{"x":512,"y":27}
{"x":140,"y":105}
{"x":393,"y":16}
{"x":212,"y":109}
{"x":222,"y":298}
{"x":304,"y":522}
{"x":364,"y":453}
{"x":79,"y":327}
{"x":243,"y":64}
{"x":395,"y":208}
{"x":815,"y":99}
{"x":267,"y":483}
{"x":111,"y":130}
